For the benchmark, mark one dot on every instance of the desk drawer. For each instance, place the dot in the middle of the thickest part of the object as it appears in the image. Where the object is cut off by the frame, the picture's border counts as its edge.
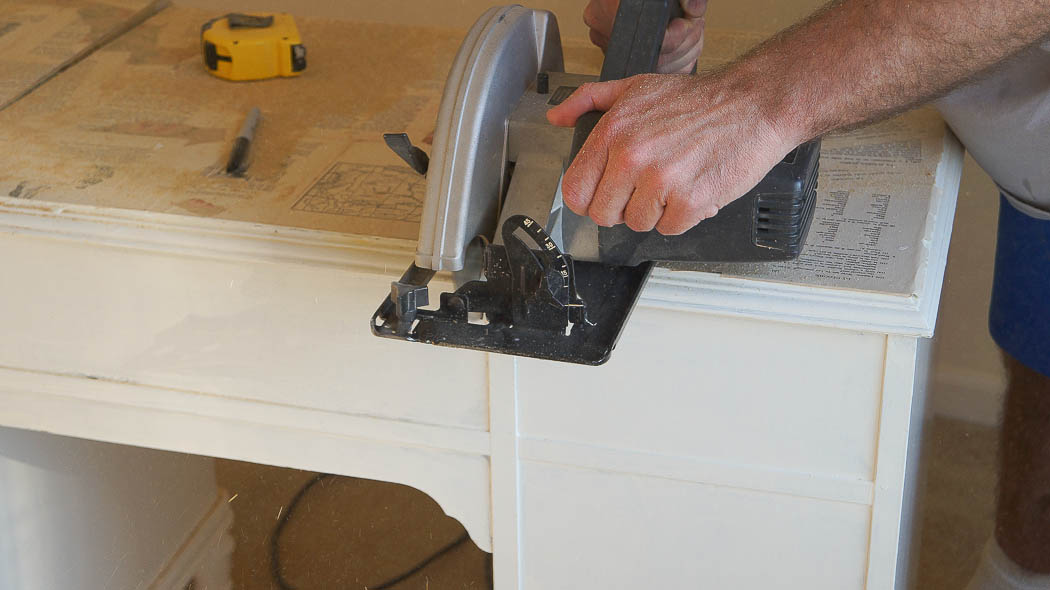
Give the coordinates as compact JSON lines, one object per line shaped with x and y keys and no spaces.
{"x":721,"y":390}
{"x":589,"y":529}
{"x":290,"y":334}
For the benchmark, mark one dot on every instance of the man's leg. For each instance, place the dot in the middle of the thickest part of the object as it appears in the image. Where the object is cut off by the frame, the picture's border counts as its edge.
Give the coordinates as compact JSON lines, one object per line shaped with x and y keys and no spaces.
{"x":1022,"y":521}
{"x":1018,"y":557}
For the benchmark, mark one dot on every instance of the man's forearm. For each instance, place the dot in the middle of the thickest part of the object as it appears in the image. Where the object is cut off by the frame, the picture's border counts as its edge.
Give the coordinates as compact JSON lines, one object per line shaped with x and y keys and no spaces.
{"x":856,"y":61}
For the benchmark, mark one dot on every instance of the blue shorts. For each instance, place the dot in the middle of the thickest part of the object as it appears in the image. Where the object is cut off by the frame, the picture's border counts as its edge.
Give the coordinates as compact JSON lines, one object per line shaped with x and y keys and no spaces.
{"x":1019,"y":317}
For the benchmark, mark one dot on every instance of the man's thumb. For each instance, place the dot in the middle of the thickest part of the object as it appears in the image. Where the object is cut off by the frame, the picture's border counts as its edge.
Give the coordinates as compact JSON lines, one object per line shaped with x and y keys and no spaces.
{"x":694,"y":8}
{"x":596,"y":96}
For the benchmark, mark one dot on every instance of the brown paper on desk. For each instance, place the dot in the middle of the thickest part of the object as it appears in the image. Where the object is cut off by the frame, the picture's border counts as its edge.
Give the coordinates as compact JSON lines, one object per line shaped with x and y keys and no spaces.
{"x":39,"y":38}
{"x":139,"y":124}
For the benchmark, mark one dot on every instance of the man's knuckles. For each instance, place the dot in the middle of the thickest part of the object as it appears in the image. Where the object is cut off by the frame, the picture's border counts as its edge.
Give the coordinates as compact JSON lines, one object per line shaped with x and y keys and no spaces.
{"x":628,"y":157}
{"x":684,"y":212}
{"x":660,"y":180}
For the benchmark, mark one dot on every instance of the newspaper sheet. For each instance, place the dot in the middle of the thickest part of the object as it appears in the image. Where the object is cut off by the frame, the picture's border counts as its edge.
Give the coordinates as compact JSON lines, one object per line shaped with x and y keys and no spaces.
{"x":873,"y":199}
{"x":139,"y":124}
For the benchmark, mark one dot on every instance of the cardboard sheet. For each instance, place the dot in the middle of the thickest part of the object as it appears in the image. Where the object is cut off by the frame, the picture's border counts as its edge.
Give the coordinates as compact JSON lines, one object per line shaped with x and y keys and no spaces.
{"x":139,"y":124}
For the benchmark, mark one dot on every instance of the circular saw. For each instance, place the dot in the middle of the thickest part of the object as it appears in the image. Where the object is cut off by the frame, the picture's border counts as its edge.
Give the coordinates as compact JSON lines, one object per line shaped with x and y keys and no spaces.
{"x":554,"y":284}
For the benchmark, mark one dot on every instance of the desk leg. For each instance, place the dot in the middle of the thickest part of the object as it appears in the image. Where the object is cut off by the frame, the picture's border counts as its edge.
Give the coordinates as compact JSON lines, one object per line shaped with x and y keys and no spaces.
{"x":897,"y":471}
{"x":505,"y":470}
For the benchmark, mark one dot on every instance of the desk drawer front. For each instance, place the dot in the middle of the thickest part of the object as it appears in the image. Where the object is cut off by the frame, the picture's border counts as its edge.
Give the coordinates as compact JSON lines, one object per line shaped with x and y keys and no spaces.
{"x":720,"y":390}
{"x":286,"y":334}
{"x":589,"y":529}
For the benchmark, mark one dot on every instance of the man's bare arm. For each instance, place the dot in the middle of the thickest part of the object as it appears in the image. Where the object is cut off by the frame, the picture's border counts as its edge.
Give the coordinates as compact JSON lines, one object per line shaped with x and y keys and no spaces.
{"x":874,"y":58}
{"x":673,"y":149}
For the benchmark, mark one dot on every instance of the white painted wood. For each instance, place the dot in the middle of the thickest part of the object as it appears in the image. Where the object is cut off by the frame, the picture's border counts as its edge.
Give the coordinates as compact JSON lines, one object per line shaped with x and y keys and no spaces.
{"x":686,"y":469}
{"x":900,"y":431}
{"x":938,"y":234}
{"x":590,"y":529}
{"x":294,"y":335}
{"x":915,"y":470}
{"x":754,"y":394}
{"x":506,"y":473}
{"x":386,"y":259}
{"x":204,"y":560}
{"x":101,"y":410}
{"x":155,"y":399}
{"x":733,"y":410}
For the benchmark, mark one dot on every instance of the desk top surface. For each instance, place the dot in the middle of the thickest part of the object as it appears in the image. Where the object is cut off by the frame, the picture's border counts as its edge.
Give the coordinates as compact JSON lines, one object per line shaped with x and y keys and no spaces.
{"x":138,"y":124}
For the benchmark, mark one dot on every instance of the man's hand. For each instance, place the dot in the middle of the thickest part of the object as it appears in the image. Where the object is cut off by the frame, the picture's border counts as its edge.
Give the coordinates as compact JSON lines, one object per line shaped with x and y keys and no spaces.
{"x":683,"y":40}
{"x":671,"y":150}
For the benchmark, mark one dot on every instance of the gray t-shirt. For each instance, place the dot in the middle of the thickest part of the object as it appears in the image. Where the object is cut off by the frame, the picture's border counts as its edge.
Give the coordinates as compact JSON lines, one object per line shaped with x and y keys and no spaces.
{"x":1003,"y":119}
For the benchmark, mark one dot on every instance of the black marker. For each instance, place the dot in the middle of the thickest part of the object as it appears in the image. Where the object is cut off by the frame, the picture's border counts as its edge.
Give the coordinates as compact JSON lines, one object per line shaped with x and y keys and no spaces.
{"x":237,"y":163}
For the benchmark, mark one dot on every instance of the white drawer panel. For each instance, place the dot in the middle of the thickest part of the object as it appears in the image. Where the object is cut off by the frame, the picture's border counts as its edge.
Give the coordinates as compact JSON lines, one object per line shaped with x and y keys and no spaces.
{"x":591,"y":529}
{"x":738,"y":391}
{"x":284,"y":333}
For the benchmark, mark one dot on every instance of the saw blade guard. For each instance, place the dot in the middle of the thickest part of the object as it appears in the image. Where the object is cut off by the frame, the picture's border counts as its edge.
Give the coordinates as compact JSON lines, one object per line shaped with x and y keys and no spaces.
{"x":497,"y":62}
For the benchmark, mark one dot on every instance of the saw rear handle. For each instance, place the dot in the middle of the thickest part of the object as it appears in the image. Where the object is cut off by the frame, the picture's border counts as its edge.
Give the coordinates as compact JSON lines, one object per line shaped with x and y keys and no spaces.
{"x":634,"y":48}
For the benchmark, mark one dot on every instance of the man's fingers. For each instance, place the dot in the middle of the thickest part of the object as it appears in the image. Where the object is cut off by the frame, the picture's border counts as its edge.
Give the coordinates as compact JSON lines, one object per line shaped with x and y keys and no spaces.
{"x":599,"y":39}
{"x":596,"y":17}
{"x":596,"y":96}
{"x":694,"y":8}
{"x":582,"y":177}
{"x":683,"y":213}
{"x":681,"y":62}
{"x":675,"y":35}
{"x":644,"y":209}
{"x":683,"y":42}
{"x":611,"y":196}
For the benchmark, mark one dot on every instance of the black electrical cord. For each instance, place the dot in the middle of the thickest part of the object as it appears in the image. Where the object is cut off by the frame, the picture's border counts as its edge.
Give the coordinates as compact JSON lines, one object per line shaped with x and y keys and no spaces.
{"x":275,"y":539}
{"x":419,"y":566}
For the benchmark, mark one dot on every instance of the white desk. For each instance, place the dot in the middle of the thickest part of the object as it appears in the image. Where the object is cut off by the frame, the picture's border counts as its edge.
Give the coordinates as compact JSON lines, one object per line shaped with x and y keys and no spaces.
{"x":692,"y":452}
{"x":749,"y":433}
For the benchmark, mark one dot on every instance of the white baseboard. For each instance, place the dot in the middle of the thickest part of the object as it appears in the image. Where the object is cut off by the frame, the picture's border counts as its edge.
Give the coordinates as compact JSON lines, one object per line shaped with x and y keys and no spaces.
{"x":964,"y":394}
{"x":203,"y":561}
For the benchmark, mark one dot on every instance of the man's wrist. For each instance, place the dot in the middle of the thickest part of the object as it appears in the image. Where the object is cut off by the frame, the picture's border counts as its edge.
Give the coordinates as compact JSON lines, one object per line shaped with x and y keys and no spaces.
{"x":779,"y":100}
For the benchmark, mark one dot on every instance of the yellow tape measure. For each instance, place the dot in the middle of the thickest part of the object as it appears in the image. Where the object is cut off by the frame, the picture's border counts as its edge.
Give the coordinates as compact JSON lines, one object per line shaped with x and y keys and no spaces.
{"x":252,"y":46}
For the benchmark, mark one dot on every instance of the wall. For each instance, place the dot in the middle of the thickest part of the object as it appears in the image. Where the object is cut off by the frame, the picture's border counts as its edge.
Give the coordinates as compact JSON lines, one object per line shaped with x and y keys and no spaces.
{"x":967,"y":374}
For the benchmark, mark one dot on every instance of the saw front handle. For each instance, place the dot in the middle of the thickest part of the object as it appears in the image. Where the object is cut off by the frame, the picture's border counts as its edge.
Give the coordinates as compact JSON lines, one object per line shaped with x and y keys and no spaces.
{"x":634,"y":48}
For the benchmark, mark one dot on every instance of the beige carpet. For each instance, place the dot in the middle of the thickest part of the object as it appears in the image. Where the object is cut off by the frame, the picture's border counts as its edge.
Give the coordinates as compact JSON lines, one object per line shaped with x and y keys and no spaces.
{"x":959,"y":506}
{"x":345,"y":533}
{"x":352,"y":533}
